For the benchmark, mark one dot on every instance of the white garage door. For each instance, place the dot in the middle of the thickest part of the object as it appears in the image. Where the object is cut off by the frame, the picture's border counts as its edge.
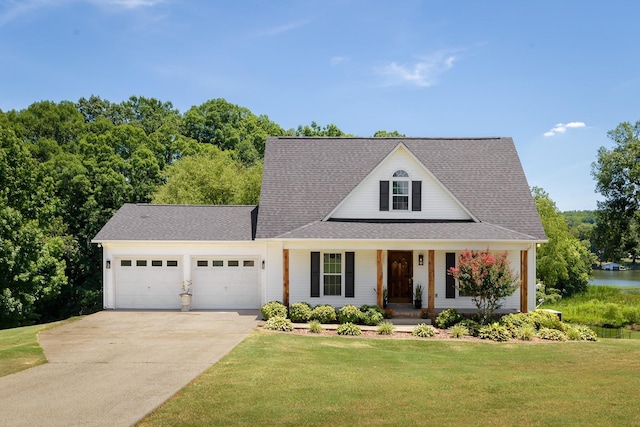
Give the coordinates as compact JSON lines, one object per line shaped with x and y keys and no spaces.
{"x":225,"y":283}
{"x":148,"y":282}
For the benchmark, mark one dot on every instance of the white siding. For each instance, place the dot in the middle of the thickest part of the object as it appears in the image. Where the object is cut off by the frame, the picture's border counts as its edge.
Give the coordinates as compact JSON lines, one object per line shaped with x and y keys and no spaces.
{"x":364,"y":278}
{"x":274,"y":273}
{"x":442,"y":302}
{"x":366,"y":271}
{"x":364,"y":200}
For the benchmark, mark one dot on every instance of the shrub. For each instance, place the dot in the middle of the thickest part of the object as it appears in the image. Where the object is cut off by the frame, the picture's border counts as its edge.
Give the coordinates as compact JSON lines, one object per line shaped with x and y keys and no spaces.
{"x":348,"y":329}
{"x":349,"y":314}
{"x":524,"y":332}
{"x":365,"y":307}
{"x":494,"y":332}
{"x":613,"y":316}
{"x":458,"y":331}
{"x":300,"y":312}
{"x":315,"y":327}
{"x":581,"y":333}
{"x":552,"y":334}
{"x":515,"y":321}
{"x":386,"y":328}
{"x":448,"y":318}
{"x":486,"y":277}
{"x":273,"y":309}
{"x":324,"y":314}
{"x":372,"y":317}
{"x":279,"y":323}
{"x":423,"y":331}
{"x":472,"y":326}
{"x":546,"y":319}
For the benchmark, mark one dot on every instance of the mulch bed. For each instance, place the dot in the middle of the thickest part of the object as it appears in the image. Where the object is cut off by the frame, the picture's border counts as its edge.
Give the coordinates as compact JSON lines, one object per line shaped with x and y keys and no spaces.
{"x":440,"y":335}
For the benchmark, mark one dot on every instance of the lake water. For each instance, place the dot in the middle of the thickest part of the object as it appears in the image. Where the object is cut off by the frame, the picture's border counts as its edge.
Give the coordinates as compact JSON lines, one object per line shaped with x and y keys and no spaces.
{"x":616,"y":278}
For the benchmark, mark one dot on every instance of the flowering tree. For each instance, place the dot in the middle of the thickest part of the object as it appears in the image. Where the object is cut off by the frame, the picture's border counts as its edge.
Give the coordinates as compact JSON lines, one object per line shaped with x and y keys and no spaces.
{"x":485,"y":277}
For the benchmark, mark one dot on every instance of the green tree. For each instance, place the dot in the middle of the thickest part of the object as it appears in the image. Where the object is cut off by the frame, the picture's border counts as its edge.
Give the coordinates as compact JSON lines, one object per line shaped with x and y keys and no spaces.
{"x":487,"y":278}
{"x":230,"y":127}
{"x":32,"y":240}
{"x":211,"y":177}
{"x":617,"y":175}
{"x":563,"y":263}
{"x":317,"y":130}
{"x":385,"y":134}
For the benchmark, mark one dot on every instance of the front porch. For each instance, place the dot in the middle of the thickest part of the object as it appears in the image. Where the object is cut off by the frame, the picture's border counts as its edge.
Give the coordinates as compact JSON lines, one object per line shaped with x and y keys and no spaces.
{"x":366,"y":274}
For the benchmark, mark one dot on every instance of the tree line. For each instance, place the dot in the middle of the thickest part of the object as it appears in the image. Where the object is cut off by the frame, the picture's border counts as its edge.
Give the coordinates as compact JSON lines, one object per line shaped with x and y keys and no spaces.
{"x":66,"y":167}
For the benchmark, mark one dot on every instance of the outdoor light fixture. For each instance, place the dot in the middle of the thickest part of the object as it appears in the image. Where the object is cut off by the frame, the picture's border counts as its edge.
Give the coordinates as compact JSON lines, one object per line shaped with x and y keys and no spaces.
{"x":108,"y":263}
{"x":263,"y":264}
{"x":420,"y":259}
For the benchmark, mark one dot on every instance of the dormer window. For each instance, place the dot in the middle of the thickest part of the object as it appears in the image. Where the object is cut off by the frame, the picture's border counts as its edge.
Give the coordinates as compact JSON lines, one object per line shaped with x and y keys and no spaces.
{"x":400,"y":196}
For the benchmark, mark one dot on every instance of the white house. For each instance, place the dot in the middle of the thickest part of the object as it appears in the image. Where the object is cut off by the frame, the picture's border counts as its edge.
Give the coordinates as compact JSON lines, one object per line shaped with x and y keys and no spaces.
{"x":339,"y":220}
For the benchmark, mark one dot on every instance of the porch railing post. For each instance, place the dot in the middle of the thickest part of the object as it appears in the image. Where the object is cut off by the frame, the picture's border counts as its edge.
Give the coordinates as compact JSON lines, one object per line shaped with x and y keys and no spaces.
{"x":380,"y":286}
{"x":524,"y":281}
{"x":431,"y":285}
{"x":285,"y":277}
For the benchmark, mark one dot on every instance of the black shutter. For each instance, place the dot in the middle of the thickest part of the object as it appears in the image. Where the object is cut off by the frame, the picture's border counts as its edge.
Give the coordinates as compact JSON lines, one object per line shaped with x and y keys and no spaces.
{"x":349,"y":275}
{"x":384,"y":195}
{"x":315,"y":274}
{"x":450,"y":284}
{"x":416,"y":195}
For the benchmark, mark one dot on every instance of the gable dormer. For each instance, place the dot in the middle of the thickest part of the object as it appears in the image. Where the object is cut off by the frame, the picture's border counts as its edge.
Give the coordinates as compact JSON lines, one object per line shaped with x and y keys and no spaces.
{"x":400,"y":188}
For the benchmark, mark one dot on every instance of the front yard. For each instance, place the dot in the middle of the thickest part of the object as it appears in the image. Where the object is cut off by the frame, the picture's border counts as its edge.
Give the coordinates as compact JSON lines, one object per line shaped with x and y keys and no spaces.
{"x":286,"y":379}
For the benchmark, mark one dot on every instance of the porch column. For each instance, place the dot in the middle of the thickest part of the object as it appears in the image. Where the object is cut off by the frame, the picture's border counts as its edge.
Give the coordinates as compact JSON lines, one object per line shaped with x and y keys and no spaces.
{"x":524,"y":281}
{"x":285,"y":277}
{"x":431,"y":285}
{"x":380,"y":286}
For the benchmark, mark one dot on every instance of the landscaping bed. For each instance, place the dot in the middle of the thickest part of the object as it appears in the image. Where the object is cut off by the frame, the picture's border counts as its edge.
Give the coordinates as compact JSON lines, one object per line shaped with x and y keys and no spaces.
{"x":368,"y":321}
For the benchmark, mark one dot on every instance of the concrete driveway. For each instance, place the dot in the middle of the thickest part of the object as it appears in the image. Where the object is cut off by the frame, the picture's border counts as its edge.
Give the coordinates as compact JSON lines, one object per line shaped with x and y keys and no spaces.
{"x":113,"y":367}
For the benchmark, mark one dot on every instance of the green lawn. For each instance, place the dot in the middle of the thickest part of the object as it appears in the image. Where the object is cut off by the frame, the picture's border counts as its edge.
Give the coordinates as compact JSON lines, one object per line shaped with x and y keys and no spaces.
{"x":282,"y":379}
{"x":19,"y":348}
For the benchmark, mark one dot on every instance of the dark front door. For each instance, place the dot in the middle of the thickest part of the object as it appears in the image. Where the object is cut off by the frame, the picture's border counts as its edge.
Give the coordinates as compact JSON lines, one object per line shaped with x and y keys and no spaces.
{"x":400,"y":276}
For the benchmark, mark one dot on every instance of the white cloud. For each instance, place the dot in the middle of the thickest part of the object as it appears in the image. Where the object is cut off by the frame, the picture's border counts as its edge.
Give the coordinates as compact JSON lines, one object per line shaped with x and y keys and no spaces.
{"x":128,"y":4}
{"x":283,"y":28}
{"x":337,"y":60}
{"x":13,"y":9}
{"x":423,"y":73}
{"x":562,"y":128}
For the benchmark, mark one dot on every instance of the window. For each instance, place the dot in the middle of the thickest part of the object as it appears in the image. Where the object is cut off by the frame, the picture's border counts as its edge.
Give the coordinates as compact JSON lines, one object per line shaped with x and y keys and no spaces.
{"x":125,"y":263}
{"x":156,"y":263}
{"x":400,"y":193}
{"x":141,"y":263}
{"x":247,"y":263}
{"x":332,"y":274}
{"x":172,"y":263}
{"x":217,"y":263}
{"x":202,"y":263}
{"x":233,"y":263}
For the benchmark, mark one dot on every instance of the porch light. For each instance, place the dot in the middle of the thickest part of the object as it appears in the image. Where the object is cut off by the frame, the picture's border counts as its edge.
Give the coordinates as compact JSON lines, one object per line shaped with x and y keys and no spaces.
{"x":420,"y":259}
{"x":263,"y":264}
{"x":108,"y":264}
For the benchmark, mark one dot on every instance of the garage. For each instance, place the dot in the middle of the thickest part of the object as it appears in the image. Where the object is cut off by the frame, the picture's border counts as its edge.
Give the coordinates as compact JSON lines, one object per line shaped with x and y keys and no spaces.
{"x":225,"y":283}
{"x":148,"y":282}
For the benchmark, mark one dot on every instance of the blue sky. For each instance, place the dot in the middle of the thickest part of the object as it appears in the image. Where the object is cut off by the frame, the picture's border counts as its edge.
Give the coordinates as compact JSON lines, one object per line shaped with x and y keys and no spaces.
{"x":554,"y":75}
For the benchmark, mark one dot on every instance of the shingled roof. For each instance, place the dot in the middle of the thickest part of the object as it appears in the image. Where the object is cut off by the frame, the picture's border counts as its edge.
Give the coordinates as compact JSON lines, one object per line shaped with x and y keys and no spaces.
{"x":180,"y":223}
{"x":304,"y":179}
